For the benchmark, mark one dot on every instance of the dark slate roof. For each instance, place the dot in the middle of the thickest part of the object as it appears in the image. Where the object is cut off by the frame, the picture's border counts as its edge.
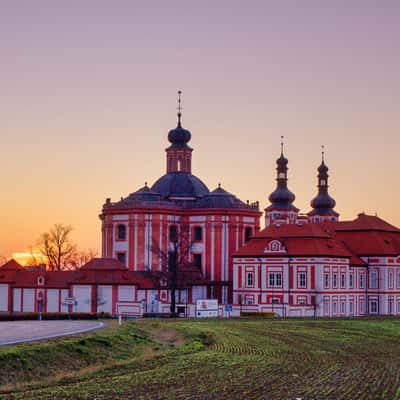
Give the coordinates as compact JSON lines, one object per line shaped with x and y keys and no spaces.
{"x":180,"y":184}
{"x":104,"y":264}
{"x":144,"y":194}
{"x":220,"y":198}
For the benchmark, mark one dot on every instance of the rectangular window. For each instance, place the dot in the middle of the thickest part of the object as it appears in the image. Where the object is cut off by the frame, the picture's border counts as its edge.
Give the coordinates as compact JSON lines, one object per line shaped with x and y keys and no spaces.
{"x":398,"y":280}
{"x":351,"y":307}
{"x":198,"y":234}
{"x":334,"y":307}
{"x":121,"y":232}
{"x":121,"y":257}
{"x":197,"y":260}
{"x":374,"y":280}
{"x":343,"y":307}
{"x":249,"y":299}
{"x":351,"y":282}
{"x":374,"y":307}
{"x":342,"y":281}
{"x":326,"y":281}
{"x":390,"y":280}
{"x":362,"y":307}
{"x":173,"y":233}
{"x":362,"y":281}
{"x":250,"y":279}
{"x":302,"y":280}
{"x":398,"y":307}
{"x":275,"y":279}
{"x":335,"y":281}
{"x":247,"y":234}
{"x":326,"y":307}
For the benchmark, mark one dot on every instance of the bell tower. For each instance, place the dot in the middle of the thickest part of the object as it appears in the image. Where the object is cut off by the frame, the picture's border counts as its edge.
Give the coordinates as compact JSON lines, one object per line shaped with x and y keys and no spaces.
{"x":179,"y":154}
{"x":323,"y":205}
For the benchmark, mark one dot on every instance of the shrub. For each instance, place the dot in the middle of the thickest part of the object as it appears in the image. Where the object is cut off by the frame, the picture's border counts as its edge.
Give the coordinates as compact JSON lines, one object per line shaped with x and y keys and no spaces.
{"x":257,"y":314}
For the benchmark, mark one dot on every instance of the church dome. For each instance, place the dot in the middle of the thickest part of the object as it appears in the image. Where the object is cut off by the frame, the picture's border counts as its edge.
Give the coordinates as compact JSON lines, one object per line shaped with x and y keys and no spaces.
{"x":282,"y":197}
{"x":282,"y":161}
{"x":180,"y":184}
{"x":323,"y":203}
{"x":323,"y":168}
{"x":179,"y":136}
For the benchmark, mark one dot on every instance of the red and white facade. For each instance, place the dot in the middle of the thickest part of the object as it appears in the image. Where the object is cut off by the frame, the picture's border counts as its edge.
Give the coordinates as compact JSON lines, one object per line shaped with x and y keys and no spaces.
{"x":299,"y":265}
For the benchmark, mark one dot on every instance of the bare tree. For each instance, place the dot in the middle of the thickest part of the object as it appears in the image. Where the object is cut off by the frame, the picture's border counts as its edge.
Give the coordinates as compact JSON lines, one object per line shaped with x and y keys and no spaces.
{"x":79,"y":259}
{"x":175,"y":259}
{"x":56,"y":246}
{"x":36,"y":259}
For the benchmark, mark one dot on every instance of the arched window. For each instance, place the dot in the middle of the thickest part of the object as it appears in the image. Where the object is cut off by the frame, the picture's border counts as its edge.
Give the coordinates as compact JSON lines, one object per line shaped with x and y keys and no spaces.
{"x":121,"y":232}
{"x":179,"y":165}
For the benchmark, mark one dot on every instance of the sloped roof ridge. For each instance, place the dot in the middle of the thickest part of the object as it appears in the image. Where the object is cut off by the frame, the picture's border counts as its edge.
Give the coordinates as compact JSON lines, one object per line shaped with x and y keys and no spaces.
{"x":12,"y":265}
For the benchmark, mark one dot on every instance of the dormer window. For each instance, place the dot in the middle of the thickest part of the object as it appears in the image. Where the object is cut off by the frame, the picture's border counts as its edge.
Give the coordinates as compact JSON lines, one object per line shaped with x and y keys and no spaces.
{"x":121,"y":232}
{"x":275,"y":246}
{"x":40,"y":280}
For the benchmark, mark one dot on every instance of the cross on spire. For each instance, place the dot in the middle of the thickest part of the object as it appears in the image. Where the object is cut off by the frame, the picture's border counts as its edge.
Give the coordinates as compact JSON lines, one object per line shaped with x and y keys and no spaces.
{"x":282,"y":145}
{"x":179,"y":108}
{"x":323,"y":152}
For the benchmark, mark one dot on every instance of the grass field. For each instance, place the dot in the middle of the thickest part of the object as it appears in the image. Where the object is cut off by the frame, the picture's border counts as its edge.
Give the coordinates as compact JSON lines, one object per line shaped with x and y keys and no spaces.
{"x":213,"y":359}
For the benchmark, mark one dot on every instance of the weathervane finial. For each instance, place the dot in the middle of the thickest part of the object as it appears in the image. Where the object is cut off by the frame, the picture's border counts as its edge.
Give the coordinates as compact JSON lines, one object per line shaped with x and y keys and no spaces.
{"x":179,"y":108}
{"x":282,"y":145}
{"x":323,"y":152}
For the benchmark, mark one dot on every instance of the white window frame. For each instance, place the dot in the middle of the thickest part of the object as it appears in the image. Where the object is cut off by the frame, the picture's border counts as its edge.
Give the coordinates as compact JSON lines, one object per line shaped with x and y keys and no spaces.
{"x":326,"y":280}
{"x":300,"y":283}
{"x":362,"y":281}
{"x":248,"y":275}
{"x":373,"y":280}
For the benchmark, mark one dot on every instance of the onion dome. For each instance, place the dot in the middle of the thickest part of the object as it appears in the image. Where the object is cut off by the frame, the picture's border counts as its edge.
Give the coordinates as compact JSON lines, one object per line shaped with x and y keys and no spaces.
{"x":180,"y":184}
{"x":282,"y":161}
{"x":282,"y":197}
{"x":179,"y":137}
{"x":220,"y":198}
{"x":323,"y":203}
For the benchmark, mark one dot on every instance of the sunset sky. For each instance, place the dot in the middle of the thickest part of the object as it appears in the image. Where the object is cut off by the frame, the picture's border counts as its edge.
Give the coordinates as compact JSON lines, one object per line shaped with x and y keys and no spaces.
{"x":88,"y":94}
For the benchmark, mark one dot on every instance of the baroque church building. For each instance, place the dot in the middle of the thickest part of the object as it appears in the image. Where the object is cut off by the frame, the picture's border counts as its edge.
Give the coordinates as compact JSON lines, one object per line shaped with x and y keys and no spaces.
{"x":309,"y":264}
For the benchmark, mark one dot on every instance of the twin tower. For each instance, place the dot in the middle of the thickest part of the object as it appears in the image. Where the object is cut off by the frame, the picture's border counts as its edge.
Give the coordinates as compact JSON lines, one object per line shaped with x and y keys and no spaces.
{"x":282,"y":209}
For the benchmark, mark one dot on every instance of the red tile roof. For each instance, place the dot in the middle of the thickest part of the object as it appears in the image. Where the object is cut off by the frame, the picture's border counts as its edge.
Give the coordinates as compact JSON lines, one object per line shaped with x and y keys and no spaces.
{"x":310,"y":240}
{"x":363,"y":222}
{"x":12,"y":265}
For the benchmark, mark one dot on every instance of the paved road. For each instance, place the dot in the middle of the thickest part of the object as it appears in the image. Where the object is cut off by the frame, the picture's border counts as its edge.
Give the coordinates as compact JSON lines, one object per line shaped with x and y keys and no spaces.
{"x":12,"y":332}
